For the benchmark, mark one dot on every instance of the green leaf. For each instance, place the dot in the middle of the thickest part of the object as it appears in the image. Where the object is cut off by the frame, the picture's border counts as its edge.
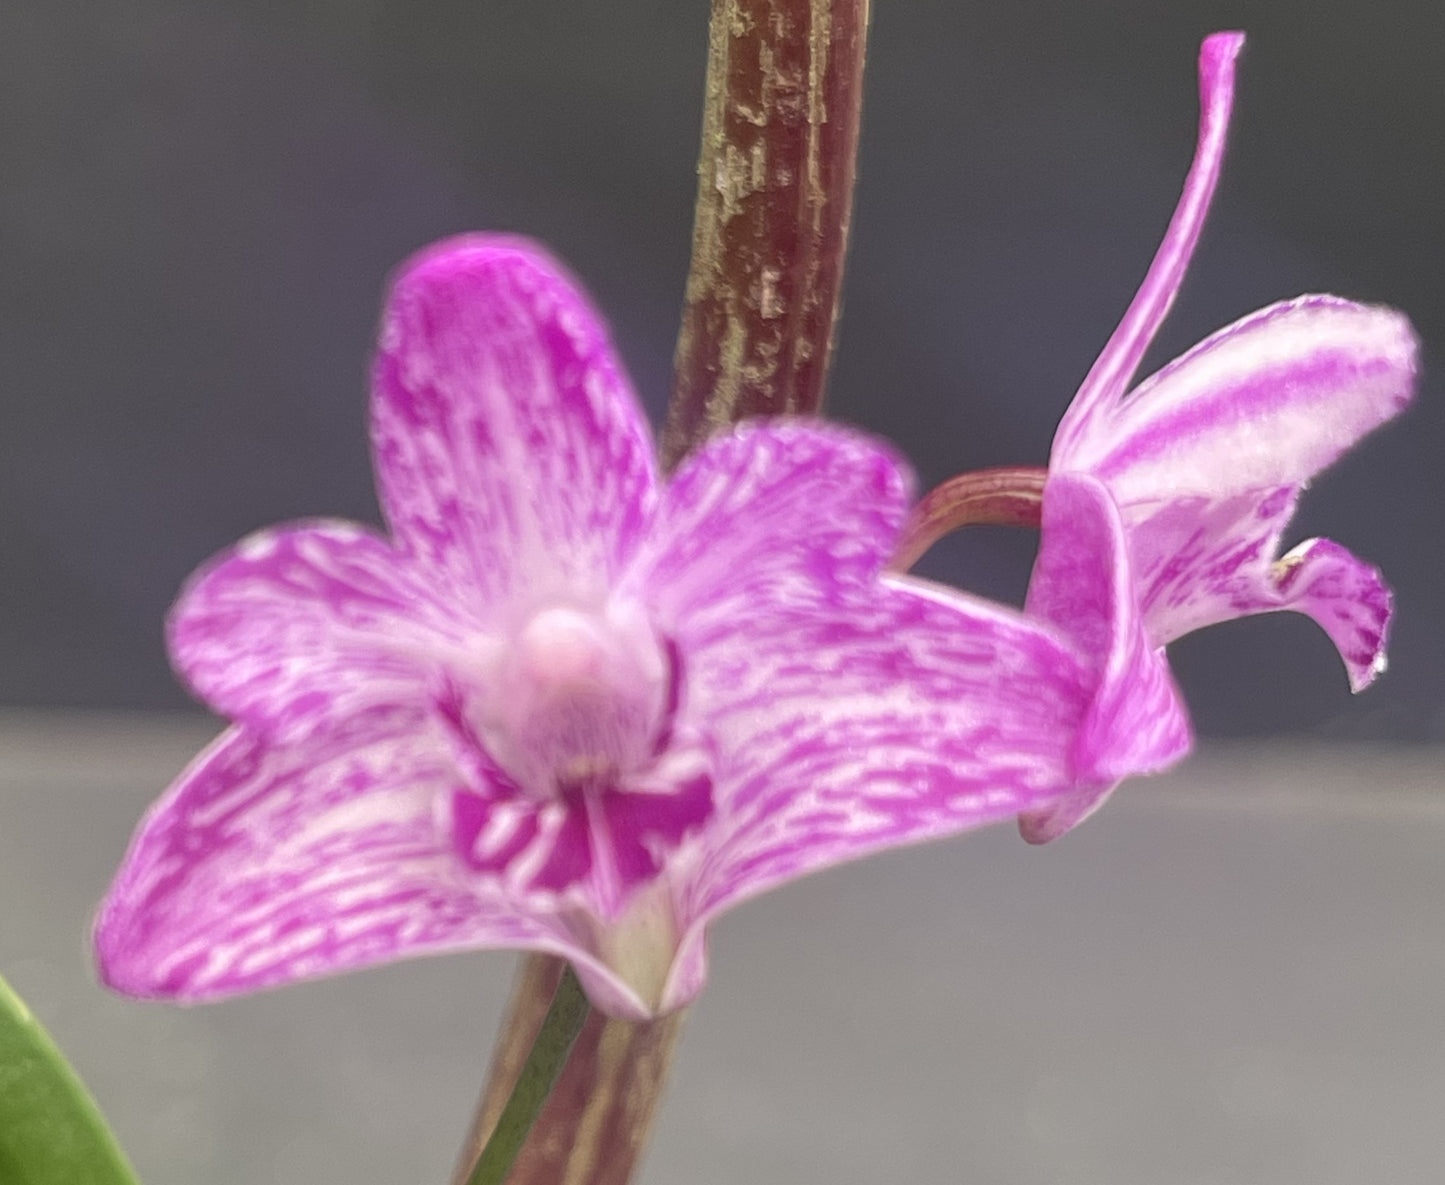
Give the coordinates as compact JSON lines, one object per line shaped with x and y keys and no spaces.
{"x":51,"y":1131}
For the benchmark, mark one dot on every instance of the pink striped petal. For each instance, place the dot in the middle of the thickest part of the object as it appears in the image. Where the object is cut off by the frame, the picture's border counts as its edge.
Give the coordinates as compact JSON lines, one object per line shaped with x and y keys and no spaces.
{"x":1083,"y":582}
{"x":1107,"y":381}
{"x":511,"y":455}
{"x":1347,"y":597}
{"x":1269,"y":401}
{"x":301,"y":625}
{"x":1203,"y":561}
{"x":904,"y":714}
{"x":265,"y":865}
{"x":774,"y":513}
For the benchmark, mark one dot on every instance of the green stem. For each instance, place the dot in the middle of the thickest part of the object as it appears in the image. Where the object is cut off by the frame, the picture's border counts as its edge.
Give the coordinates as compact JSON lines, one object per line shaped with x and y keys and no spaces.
{"x":539,"y":1074}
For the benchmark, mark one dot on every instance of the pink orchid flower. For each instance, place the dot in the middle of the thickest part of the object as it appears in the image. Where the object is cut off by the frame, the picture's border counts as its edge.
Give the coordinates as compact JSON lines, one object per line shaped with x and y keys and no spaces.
{"x":1196,"y":471}
{"x":566,"y":707}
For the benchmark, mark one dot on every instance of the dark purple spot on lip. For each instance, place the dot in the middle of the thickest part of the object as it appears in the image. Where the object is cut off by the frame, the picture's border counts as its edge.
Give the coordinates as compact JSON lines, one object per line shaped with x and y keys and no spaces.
{"x":642,"y":825}
{"x":569,"y":856}
{"x":470,"y":814}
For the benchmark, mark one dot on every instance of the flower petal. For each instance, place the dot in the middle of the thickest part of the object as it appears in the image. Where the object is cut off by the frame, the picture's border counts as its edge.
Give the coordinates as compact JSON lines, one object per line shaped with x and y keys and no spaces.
{"x":903,"y":713}
{"x":309,"y":623}
{"x":1346,"y":596}
{"x":510,"y":450}
{"x":1083,"y":582}
{"x":1268,"y":401}
{"x":268,"y":864}
{"x":1202,"y":561}
{"x":1109,"y":377}
{"x":772,"y":514}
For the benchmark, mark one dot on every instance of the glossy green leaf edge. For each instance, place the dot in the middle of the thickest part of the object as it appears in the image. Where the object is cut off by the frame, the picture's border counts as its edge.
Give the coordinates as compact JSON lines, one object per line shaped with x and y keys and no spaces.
{"x":51,"y":1131}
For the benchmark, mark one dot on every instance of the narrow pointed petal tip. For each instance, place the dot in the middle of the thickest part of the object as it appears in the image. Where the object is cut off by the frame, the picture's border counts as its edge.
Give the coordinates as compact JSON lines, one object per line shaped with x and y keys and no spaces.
{"x":1109,"y":377}
{"x":1217,"y":56}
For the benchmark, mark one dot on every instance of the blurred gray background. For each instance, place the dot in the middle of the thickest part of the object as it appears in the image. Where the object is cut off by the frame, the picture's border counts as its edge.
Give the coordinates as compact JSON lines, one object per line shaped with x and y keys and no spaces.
{"x":1231,"y":977}
{"x":200,"y":202}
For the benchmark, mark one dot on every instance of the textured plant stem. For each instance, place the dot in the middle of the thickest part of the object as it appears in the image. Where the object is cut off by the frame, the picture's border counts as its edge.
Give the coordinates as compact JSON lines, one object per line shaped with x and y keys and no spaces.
{"x":774,"y":202}
{"x":594,"y":1125}
{"x":988,"y":497}
{"x":550,"y":1047}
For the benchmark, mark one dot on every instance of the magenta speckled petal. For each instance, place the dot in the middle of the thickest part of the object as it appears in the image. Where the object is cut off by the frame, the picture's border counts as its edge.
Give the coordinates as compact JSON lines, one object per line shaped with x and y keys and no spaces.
{"x":1268,"y":401}
{"x":511,"y":455}
{"x":301,"y":625}
{"x":1203,"y":561}
{"x":771,"y":514}
{"x":1115,"y":367}
{"x":1136,"y":722}
{"x":267,"y":864}
{"x":900,"y":715}
{"x":1347,"y":597}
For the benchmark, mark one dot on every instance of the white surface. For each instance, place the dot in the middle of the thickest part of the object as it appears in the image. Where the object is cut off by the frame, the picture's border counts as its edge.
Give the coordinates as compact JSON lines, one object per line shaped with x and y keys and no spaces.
{"x":1232,"y":976}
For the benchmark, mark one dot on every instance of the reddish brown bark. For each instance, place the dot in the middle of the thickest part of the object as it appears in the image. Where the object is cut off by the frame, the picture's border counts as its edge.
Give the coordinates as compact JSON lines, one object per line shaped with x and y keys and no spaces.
{"x":774,"y":202}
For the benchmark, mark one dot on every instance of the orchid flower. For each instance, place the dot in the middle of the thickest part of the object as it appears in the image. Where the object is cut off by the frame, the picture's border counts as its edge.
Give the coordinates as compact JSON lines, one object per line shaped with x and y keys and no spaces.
{"x":1204,"y":461}
{"x":569,"y":708}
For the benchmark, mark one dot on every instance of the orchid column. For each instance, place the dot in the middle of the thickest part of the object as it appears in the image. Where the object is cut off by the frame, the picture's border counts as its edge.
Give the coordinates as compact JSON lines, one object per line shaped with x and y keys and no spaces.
{"x":775,"y":191}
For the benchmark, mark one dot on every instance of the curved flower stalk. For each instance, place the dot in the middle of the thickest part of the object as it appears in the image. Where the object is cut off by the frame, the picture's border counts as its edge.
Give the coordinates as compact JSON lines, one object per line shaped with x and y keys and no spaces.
{"x":1205,"y":460}
{"x":565,"y":707}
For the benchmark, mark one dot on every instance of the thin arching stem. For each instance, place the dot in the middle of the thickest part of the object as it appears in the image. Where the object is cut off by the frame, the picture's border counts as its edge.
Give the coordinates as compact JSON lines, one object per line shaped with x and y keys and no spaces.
{"x":1012,"y":497}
